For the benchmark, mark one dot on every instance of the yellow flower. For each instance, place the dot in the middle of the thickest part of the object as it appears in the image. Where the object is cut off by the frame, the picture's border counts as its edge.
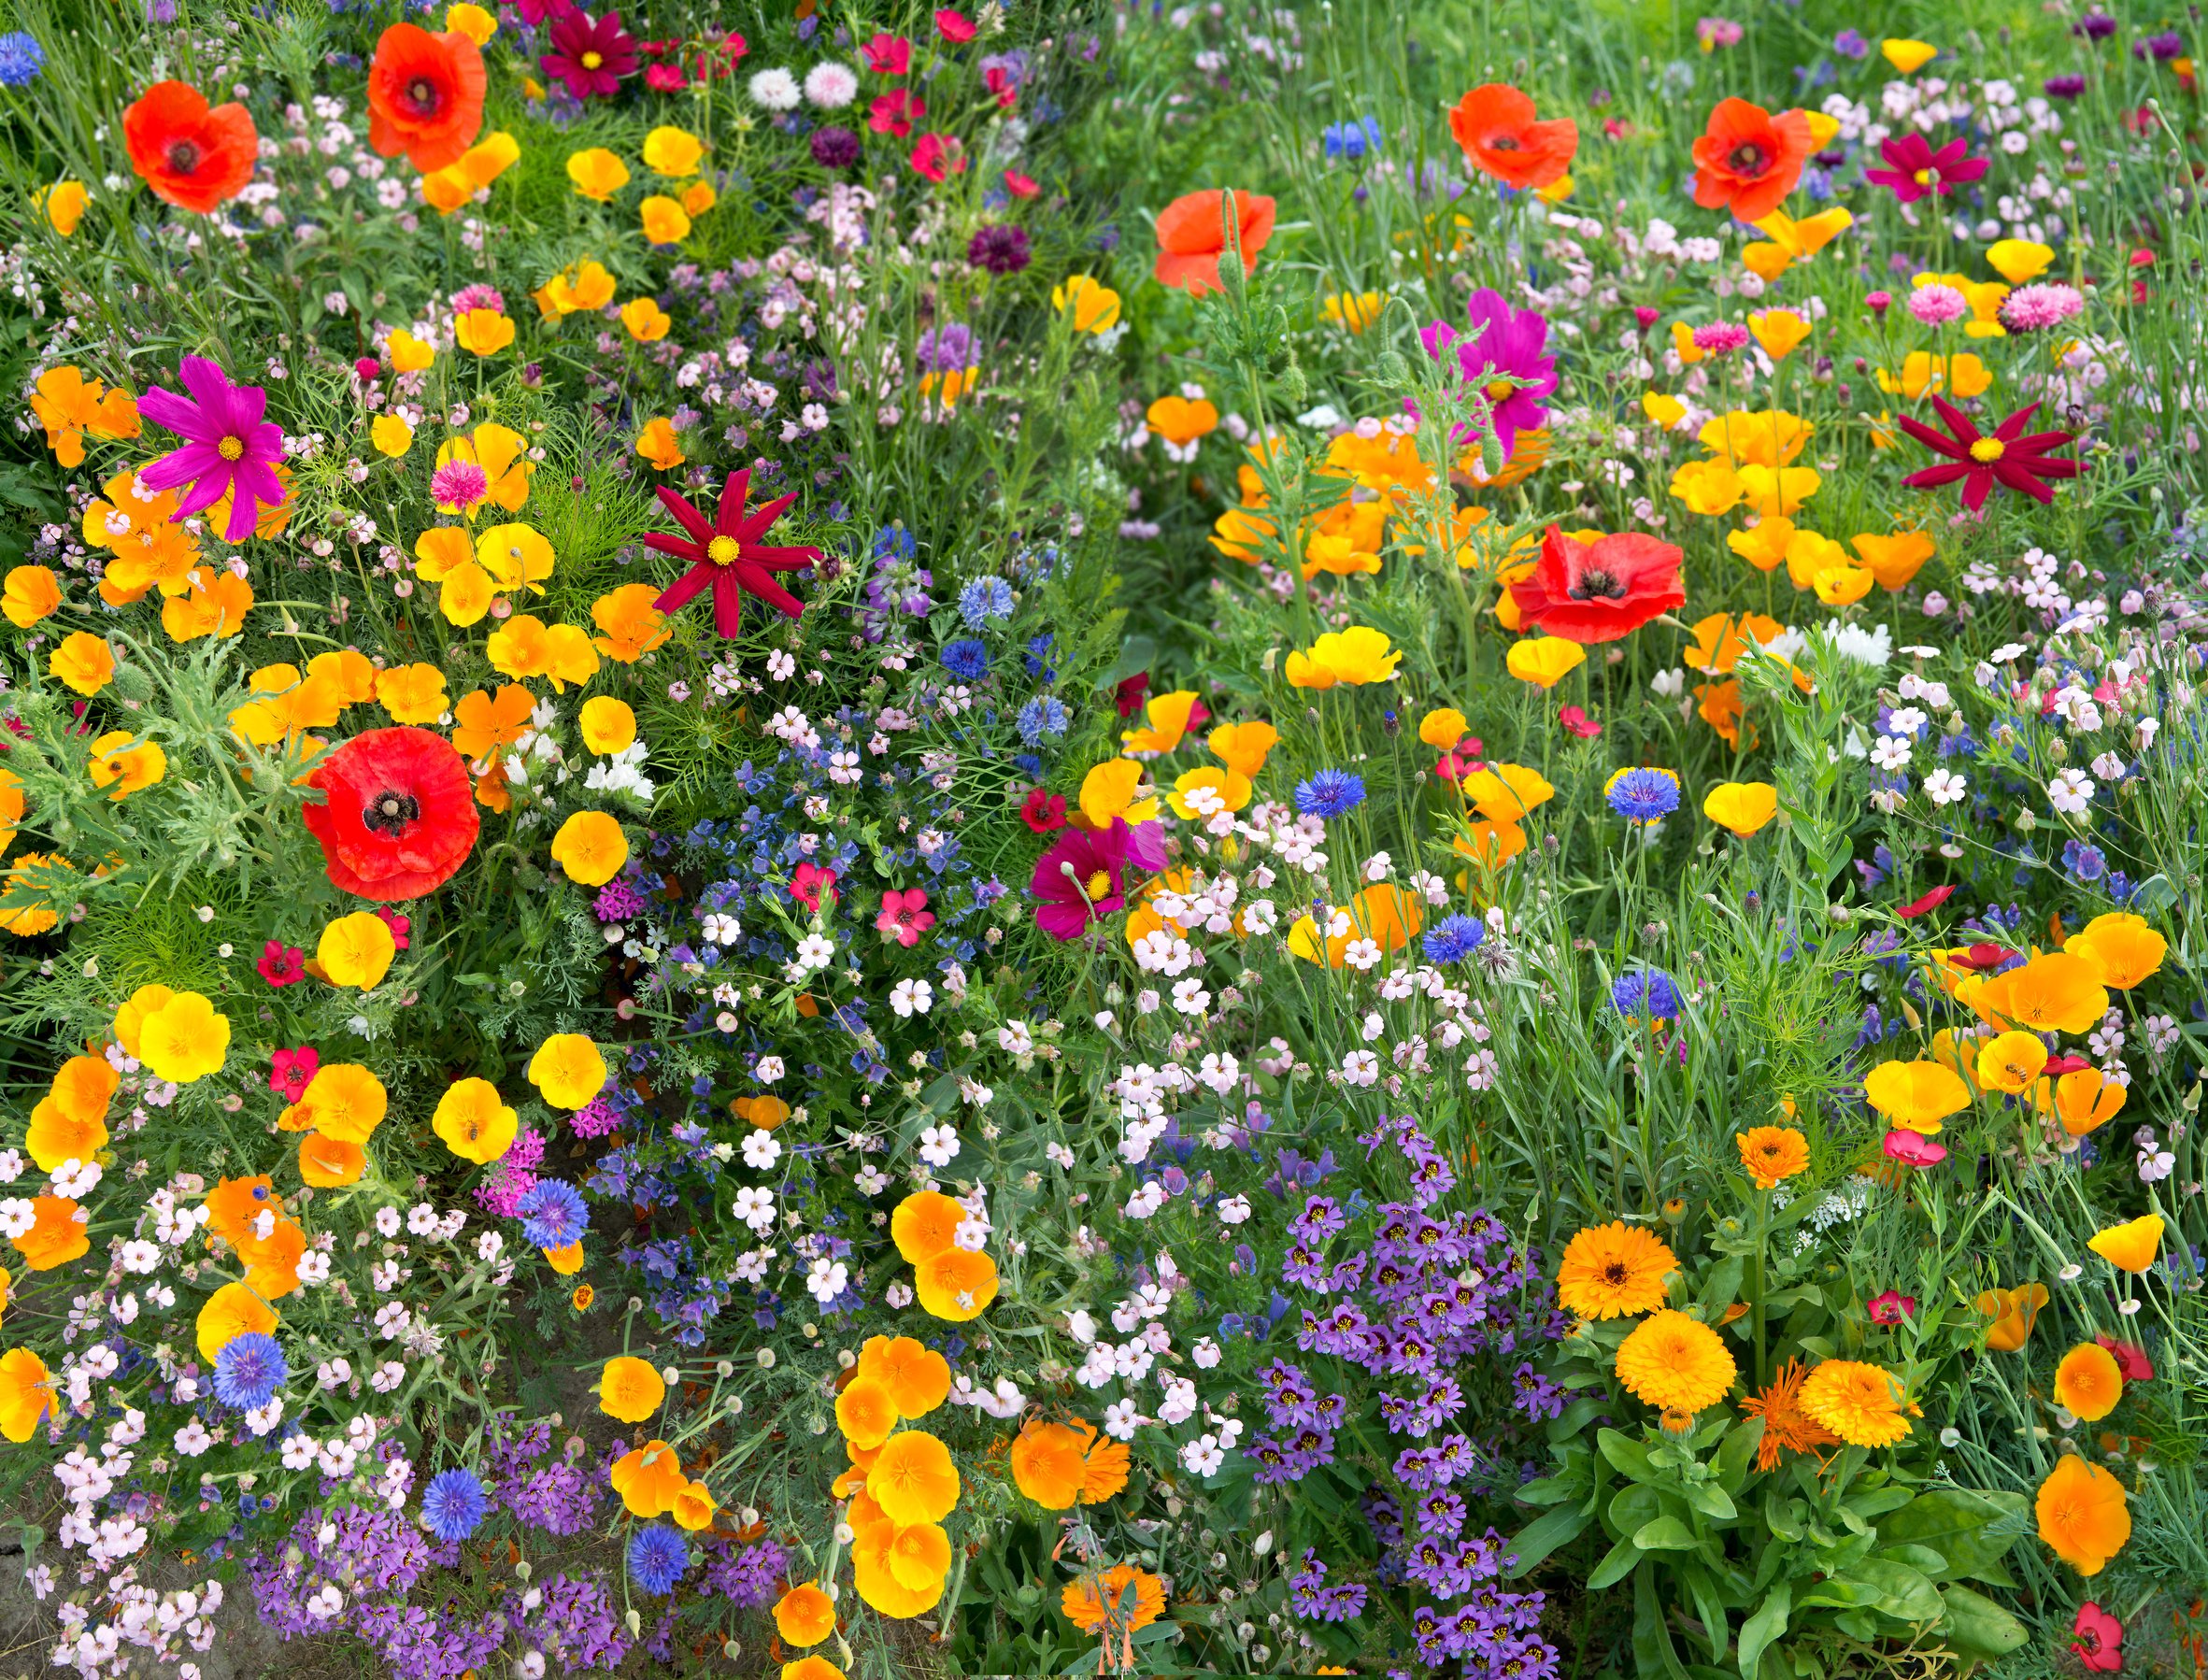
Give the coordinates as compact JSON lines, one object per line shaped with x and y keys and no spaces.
{"x":1352,"y":657}
{"x":1742,"y":808}
{"x":590,"y":848}
{"x":1614,"y":1271}
{"x":357,"y":950}
{"x":184,"y":1039}
{"x":1089,"y":305}
{"x":64,"y":204}
{"x":26,"y":1393}
{"x":32,"y":593}
{"x":1780,"y":332}
{"x":483,"y":331}
{"x":408,"y":354}
{"x":2131,"y":1246}
{"x":392,"y":435}
{"x":1666,"y":411}
{"x":2083,"y":1514}
{"x":446,"y":189}
{"x":1865,"y":1405}
{"x":231,"y":1312}
{"x":581,"y":288}
{"x":475,"y":1124}
{"x":1544,"y":661}
{"x":345,"y":1101}
{"x":1842,"y":585}
{"x":121,"y":759}
{"x":515,"y":557}
{"x":1356,"y":310}
{"x":471,"y":21}
{"x":596,"y":173}
{"x":657,"y":444}
{"x":1953,"y":376}
{"x":628,"y":1390}
{"x":647,"y":323}
{"x":665,"y":222}
{"x":2010,"y":1061}
{"x":608,"y":725}
{"x":2019,"y":261}
{"x":673,"y":153}
{"x":1709,"y":488}
{"x":567,"y":1071}
{"x":82,"y":661}
{"x":503,"y":453}
{"x":1908,"y":56}
{"x":1777,"y":490}
{"x":1676,"y":1363}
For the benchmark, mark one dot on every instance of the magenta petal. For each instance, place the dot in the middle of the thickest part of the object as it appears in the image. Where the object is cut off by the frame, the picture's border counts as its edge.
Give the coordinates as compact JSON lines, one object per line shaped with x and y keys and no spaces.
{"x":166,"y":409}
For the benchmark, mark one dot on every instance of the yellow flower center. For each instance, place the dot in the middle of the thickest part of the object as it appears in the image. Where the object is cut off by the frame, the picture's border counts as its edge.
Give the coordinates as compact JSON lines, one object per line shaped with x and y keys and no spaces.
{"x":1500,"y":390}
{"x":722,"y":550}
{"x":232,"y":449}
{"x":1099,"y":886}
{"x":1923,"y":177}
{"x":1987,"y":449}
{"x":593,"y":60}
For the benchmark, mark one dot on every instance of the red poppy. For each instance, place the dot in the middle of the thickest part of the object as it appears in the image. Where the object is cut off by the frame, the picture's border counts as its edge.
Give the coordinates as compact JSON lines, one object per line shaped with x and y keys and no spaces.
{"x":1042,"y":813}
{"x":728,"y":555}
{"x":2131,"y":1360}
{"x":1977,"y":958}
{"x":2008,"y":456}
{"x":399,"y":818}
{"x":1494,"y":124}
{"x":1749,"y":160}
{"x":2097,"y":1639}
{"x":1930,"y":901}
{"x":1602,"y":590}
{"x":425,"y":95}
{"x":1191,"y":237}
{"x":1129,"y":694}
{"x":193,"y":156}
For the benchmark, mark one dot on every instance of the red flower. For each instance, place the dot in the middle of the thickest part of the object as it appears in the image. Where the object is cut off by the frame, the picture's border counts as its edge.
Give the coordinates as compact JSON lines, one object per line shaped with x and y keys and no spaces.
{"x":1576,"y":722}
{"x":1913,"y":1149}
{"x":2098,"y":1638}
{"x":1748,"y":160}
{"x":2058,"y":1065}
{"x":887,"y":54}
{"x":2009,"y":457}
{"x":1494,"y":124}
{"x":953,"y":25}
{"x":194,"y":157}
{"x":1917,"y":169}
{"x":1930,"y":901}
{"x":400,"y":815}
{"x":1042,"y":813}
{"x":294,"y":1071}
{"x":1129,"y":694}
{"x":1192,"y":239}
{"x":426,"y":96}
{"x":1891,"y":1307}
{"x":1020,"y":186}
{"x":895,"y":112}
{"x":589,"y":54}
{"x":2130,"y":1359}
{"x":283,"y":965}
{"x":1599,"y":591}
{"x":1977,"y":958}
{"x":808,"y":882}
{"x":728,"y":555}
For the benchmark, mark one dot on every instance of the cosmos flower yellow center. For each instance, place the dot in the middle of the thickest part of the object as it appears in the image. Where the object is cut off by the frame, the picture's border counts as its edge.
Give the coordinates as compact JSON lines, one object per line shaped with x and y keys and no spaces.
{"x":1986,"y":449}
{"x":721,"y":550}
{"x":1499,"y":390}
{"x":232,"y":449}
{"x":1099,"y":886}
{"x":593,"y":60}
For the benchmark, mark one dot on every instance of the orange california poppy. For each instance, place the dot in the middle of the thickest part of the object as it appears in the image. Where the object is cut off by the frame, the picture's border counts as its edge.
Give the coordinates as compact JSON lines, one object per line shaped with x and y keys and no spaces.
{"x":1191,"y":237}
{"x":425,"y":95}
{"x":1748,"y":160}
{"x":1494,"y":124}
{"x":194,"y":156}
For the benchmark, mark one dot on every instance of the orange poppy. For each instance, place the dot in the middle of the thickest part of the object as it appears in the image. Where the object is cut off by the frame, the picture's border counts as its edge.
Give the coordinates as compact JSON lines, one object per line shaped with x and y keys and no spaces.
{"x":1191,"y":237}
{"x":426,"y":96}
{"x":1494,"y":124}
{"x":1748,"y":160}
{"x":190,"y":154}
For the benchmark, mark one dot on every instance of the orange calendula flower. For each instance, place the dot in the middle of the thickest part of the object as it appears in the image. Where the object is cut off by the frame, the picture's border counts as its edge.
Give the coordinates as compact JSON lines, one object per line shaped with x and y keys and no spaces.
{"x":1614,"y":1270}
{"x":1122,"y":1599}
{"x":1787,"y":1427}
{"x":1771,"y":1154}
{"x":1863,"y":1404}
{"x":1675,"y":1363}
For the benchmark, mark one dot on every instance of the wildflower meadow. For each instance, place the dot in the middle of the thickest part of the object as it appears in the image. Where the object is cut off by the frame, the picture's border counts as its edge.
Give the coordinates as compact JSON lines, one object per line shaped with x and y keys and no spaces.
{"x":1060,"y":837}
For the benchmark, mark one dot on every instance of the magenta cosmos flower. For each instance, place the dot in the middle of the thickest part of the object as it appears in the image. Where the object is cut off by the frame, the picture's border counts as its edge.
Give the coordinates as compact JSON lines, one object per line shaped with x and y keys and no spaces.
{"x":590,"y":54}
{"x":1512,"y":342}
{"x":1081,"y":879}
{"x":230,"y":451}
{"x":1917,"y":169}
{"x":728,"y":555}
{"x":2009,"y":456}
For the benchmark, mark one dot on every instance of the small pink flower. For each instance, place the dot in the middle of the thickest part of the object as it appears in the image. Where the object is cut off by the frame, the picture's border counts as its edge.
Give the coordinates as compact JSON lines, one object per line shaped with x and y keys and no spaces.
{"x":1878,"y":303}
{"x":397,"y":924}
{"x":954,"y":25}
{"x":283,"y":965}
{"x":1913,"y":1149}
{"x":1576,"y":722}
{"x":1891,"y":1307}
{"x":905,"y":917}
{"x":1936,"y":305}
{"x":294,"y":1071}
{"x":808,"y":882}
{"x":1720,"y":338}
{"x":459,"y":485}
{"x":887,"y":54}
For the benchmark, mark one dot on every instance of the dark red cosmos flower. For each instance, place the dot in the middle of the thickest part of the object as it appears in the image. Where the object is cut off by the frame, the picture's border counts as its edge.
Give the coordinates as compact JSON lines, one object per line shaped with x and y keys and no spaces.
{"x":1917,"y":169}
{"x":590,"y":54}
{"x":1081,"y":879}
{"x":399,"y":818}
{"x":1043,"y":813}
{"x":1129,"y":695}
{"x":1602,"y":590}
{"x":2009,"y":456}
{"x":728,"y":555}
{"x":2098,"y":1638}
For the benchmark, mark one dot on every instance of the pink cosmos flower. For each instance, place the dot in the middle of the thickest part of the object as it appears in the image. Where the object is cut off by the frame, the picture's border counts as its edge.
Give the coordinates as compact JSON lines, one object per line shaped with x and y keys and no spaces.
{"x":1081,"y":879}
{"x":1913,"y":1149}
{"x":230,"y":450}
{"x":1918,"y":170}
{"x":905,"y":917}
{"x":589,"y":54}
{"x":294,"y":1071}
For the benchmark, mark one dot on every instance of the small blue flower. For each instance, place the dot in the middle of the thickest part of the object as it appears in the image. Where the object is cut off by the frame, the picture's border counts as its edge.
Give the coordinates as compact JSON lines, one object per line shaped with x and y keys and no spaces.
{"x":1349,"y":141}
{"x":553,"y":1214}
{"x":453,"y":1506}
{"x":1330,"y":793}
{"x":657,"y":1558}
{"x":984,"y":599}
{"x":1455,"y":939}
{"x":1038,"y":658}
{"x":2086,"y":863}
{"x":966,"y":659}
{"x":20,"y":59}
{"x":1646,"y":992}
{"x":249,"y":1370}
{"x":1042,"y":717}
{"x":1643,"y":796}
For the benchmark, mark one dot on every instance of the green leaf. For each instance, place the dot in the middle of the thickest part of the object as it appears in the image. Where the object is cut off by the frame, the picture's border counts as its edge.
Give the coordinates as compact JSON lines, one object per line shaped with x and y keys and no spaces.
{"x":1711,"y":1500}
{"x":1664,"y":1534}
{"x":1615,"y":1567}
{"x":1765,"y":1626}
{"x":1892,"y":1589}
{"x":1975,"y":1625}
{"x":1972,"y":1530}
{"x":1543,"y":1534}
{"x":1630,"y":1457}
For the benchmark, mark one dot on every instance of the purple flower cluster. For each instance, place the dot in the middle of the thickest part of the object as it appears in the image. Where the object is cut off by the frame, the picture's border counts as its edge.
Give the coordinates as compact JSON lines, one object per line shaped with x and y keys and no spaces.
{"x":1314,"y":1601}
{"x":514,"y":1175}
{"x":561,"y":1496}
{"x":751,"y":1578}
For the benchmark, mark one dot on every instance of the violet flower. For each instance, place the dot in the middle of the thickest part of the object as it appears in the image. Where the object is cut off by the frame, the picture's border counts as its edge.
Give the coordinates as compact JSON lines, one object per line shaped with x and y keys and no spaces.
{"x":232,"y":451}
{"x":1918,"y":170}
{"x":1516,"y":344}
{"x":1080,"y":879}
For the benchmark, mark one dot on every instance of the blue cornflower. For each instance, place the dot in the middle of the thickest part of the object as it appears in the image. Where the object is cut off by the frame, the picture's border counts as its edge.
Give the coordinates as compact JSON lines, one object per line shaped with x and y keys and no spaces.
{"x":553,"y":1213}
{"x":1643,"y":796}
{"x":1041,"y":718}
{"x":657,"y":1558}
{"x":1455,"y":939}
{"x":1849,"y":43}
{"x":1038,"y":658}
{"x":966,"y":659}
{"x":2084,"y":861}
{"x":20,"y":59}
{"x":1349,"y":141}
{"x":1646,"y":992}
{"x":453,"y":1506}
{"x":984,"y":599}
{"x":894,"y":542}
{"x":249,"y":1370}
{"x":1330,"y":793}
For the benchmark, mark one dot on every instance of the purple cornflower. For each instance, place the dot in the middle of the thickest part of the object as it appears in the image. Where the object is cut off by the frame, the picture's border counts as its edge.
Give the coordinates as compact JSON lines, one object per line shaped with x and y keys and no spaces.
{"x":834,"y":146}
{"x":657,"y":1558}
{"x":230,"y":451}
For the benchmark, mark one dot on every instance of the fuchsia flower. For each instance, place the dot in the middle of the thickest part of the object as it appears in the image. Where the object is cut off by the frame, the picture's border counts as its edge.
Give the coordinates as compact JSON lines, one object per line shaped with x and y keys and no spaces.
{"x":1891,"y":1307}
{"x":589,"y":54}
{"x":283,"y":965}
{"x":905,"y":917}
{"x":294,"y":1071}
{"x":2008,"y":456}
{"x":954,"y":25}
{"x":1918,"y":170}
{"x":938,"y":156}
{"x":1576,"y":722}
{"x":809,"y":882}
{"x":1512,"y":342}
{"x":1081,"y":879}
{"x":887,"y":54}
{"x":399,"y":925}
{"x":895,"y":112}
{"x":230,"y":449}
{"x":728,"y":555}
{"x":1913,"y":1149}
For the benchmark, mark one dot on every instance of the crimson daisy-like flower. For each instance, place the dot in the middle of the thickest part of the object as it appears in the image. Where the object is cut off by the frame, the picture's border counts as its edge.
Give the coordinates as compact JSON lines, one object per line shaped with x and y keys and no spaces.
{"x":399,"y":816}
{"x":1918,"y":170}
{"x":1602,"y":590}
{"x":589,"y":54}
{"x":727,"y":554}
{"x":2008,"y":456}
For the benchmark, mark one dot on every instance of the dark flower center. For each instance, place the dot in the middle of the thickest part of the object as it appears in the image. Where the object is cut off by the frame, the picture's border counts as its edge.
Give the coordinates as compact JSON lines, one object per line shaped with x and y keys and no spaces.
{"x":183,"y":156}
{"x":1747,"y":158}
{"x":1502,"y":143}
{"x":1616,"y":1275}
{"x":2089,"y":1641}
{"x":389,"y":812}
{"x":424,"y":95}
{"x":1595,"y":585}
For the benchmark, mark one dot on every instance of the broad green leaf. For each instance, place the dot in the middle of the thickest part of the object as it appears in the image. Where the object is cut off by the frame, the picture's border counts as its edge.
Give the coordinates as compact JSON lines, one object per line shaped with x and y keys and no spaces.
{"x":1975,"y":1625}
{"x":1765,"y":1626}
{"x":1971,"y":1529}
{"x":1615,"y":1567}
{"x":1543,"y":1534}
{"x":1664,"y":1534}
